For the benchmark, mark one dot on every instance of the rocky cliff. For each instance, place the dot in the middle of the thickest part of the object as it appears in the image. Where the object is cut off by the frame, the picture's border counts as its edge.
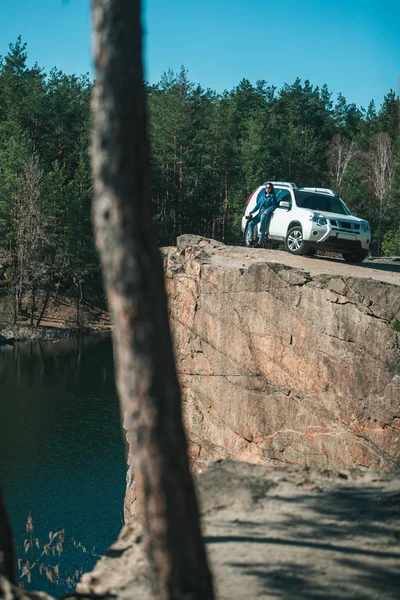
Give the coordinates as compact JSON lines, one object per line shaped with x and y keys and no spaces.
{"x":285,"y":359}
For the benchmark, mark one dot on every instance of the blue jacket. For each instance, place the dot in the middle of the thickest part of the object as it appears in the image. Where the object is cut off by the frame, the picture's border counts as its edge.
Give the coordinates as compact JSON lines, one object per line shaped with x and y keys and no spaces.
{"x":267,"y":204}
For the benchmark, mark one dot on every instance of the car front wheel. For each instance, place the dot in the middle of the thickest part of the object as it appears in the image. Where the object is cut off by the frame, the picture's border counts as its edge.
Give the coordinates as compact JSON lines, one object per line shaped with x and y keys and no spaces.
{"x":294,"y":242}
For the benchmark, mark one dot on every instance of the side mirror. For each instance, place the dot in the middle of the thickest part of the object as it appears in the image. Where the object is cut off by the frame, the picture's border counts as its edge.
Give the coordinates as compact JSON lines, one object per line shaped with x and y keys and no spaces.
{"x":284,"y":204}
{"x":354,"y":214}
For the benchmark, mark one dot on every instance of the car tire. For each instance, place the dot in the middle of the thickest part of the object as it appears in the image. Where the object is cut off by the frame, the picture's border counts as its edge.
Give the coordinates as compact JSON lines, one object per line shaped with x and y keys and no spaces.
{"x":354,"y":257}
{"x":246,"y":240}
{"x":294,"y":243}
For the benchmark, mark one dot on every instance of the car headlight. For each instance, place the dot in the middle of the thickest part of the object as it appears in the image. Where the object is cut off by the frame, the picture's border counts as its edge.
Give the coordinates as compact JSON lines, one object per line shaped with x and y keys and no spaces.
{"x":365,"y":226}
{"x":318,"y":218}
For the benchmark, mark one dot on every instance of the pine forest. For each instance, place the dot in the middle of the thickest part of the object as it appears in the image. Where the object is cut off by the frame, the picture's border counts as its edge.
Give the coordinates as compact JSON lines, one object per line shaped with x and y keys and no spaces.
{"x":209,"y":152}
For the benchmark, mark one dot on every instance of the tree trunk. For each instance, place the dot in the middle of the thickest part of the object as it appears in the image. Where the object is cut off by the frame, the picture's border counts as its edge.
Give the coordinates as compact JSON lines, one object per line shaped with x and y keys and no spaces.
{"x":44,"y":306}
{"x":380,"y":225}
{"x":33,"y":304}
{"x":7,"y":562}
{"x":79,"y":297}
{"x":17,"y":304}
{"x":145,"y":369}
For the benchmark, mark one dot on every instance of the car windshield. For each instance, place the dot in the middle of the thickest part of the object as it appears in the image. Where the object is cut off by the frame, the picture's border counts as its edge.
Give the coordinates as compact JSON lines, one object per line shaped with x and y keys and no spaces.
{"x":321,"y":202}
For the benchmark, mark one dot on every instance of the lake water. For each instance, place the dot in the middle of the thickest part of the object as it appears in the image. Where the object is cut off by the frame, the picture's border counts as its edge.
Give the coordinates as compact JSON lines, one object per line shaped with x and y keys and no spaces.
{"x":62,"y":455}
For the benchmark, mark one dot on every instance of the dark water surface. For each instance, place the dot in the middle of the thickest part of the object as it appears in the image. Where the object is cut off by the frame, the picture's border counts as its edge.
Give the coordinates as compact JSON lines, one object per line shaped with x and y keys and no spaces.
{"x":61,"y":450}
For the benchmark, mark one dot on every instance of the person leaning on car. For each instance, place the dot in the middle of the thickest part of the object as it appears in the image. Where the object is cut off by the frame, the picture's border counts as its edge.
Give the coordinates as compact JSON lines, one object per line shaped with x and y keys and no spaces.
{"x":264,"y":208}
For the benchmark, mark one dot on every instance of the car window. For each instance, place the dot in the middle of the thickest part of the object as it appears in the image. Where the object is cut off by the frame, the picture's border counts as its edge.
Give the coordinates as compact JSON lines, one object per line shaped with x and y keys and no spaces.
{"x":321,"y":202}
{"x":282,"y":195}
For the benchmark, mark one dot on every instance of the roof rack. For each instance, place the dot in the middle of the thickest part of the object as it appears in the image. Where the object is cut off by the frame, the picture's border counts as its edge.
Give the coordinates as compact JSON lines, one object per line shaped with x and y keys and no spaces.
{"x":288,"y":183}
{"x":320,"y":190}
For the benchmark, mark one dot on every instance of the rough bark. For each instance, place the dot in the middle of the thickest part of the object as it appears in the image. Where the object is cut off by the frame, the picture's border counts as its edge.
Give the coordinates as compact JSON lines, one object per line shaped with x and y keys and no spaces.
{"x":145,"y":368}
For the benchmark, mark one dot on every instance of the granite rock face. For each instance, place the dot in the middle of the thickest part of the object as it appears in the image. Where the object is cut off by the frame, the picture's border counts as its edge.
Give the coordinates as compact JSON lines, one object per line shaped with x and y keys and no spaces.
{"x":284,"y":363}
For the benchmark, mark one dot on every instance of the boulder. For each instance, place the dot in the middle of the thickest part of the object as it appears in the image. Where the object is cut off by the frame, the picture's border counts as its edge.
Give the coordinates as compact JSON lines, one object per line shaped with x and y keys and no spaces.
{"x":285,"y":359}
{"x":6,"y":336}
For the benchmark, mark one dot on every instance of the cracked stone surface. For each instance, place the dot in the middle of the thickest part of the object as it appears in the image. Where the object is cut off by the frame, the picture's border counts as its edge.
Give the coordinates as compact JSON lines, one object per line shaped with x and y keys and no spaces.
{"x":285,"y":359}
{"x":279,"y":532}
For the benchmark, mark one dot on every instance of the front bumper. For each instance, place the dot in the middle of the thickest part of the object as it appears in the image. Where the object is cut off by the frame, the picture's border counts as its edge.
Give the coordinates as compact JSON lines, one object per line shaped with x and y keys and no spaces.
{"x":324,"y":236}
{"x":334,"y":244}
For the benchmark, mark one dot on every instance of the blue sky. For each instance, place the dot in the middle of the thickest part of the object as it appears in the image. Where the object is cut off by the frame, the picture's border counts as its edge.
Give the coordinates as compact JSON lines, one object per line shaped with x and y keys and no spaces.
{"x":351,"y":45}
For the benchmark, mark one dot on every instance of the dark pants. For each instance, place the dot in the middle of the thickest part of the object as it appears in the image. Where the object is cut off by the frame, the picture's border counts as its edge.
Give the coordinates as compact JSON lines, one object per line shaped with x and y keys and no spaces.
{"x":264,"y":225}
{"x":254,"y":221}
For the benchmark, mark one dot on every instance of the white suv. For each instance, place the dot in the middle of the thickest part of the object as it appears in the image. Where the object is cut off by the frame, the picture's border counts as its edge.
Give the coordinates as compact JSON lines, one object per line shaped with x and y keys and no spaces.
{"x":309,"y":218}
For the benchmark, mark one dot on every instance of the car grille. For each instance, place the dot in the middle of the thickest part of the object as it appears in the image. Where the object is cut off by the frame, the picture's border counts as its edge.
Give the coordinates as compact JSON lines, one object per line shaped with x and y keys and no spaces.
{"x":344,"y":225}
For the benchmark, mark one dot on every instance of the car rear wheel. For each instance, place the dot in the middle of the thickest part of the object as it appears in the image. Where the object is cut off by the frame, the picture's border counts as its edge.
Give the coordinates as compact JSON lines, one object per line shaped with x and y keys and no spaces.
{"x":354,"y":257}
{"x":294,"y":242}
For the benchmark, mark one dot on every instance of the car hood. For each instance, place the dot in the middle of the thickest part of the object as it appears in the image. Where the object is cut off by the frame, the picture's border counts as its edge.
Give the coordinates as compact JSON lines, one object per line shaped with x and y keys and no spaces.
{"x":336,"y":216}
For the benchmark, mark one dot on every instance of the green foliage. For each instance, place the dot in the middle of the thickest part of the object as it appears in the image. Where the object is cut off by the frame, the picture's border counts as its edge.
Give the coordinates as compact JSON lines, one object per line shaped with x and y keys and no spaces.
{"x":391,"y":243}
{"x":45,"y":120}
{"x":15,"y":152}
{"x":208,"y":153}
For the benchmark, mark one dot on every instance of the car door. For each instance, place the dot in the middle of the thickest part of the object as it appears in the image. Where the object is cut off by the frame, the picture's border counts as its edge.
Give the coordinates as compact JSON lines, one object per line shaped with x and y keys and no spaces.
{"x":281,"y":216}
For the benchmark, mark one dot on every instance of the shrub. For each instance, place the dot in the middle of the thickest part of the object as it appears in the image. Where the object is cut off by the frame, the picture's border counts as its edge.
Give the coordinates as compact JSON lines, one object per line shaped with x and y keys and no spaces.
{"x":391,"y":243}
